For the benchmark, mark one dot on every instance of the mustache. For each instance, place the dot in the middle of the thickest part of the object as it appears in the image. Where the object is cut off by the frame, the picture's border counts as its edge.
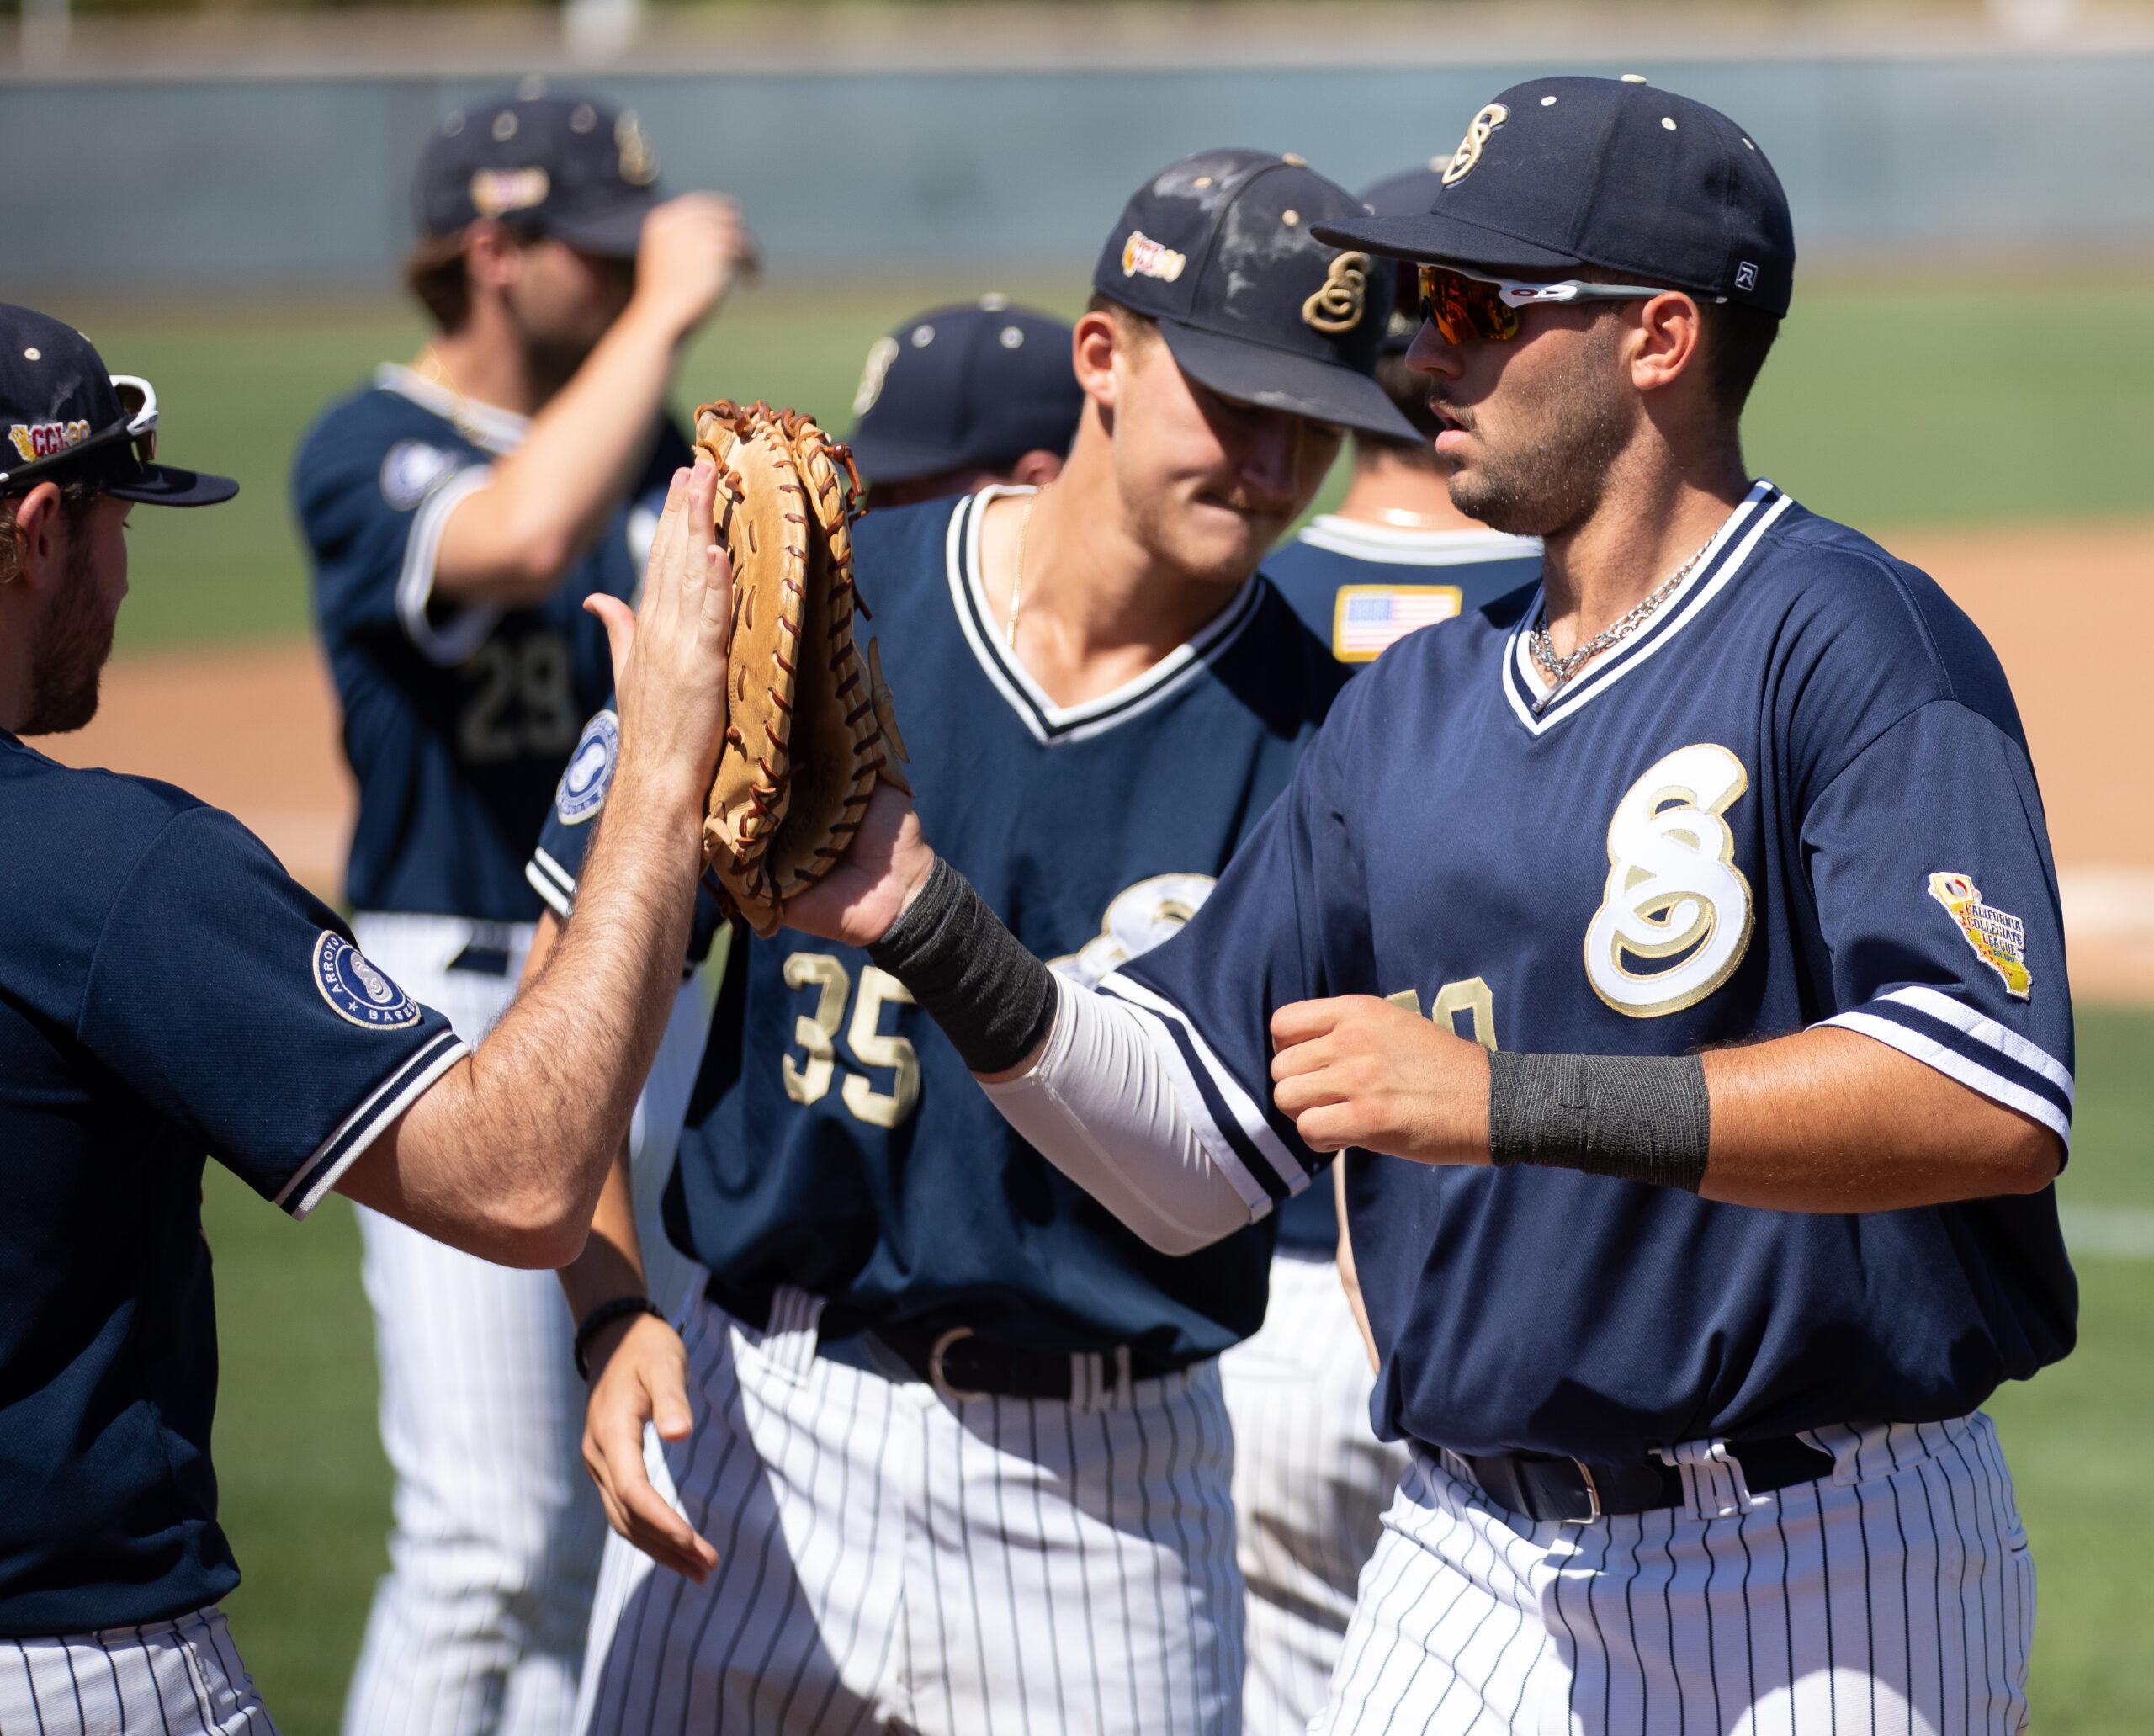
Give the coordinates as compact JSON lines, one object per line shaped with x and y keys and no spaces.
{"x":1455,"y":414}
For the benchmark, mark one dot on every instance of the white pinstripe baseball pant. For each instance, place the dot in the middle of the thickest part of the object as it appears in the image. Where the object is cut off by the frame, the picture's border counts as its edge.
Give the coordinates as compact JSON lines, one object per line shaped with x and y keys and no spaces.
{"x":1894,"y":1595}
{"x":890,"y":1560}
{"x":478,"y":1625}
{"x":182,"y":1676}
{"x":1311,"y":1485}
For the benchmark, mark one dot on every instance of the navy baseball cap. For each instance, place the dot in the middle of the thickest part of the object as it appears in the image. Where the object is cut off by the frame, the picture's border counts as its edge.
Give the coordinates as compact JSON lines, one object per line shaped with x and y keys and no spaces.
{"x":1404,"y":195}
{"x":67,"y":419}
{"x":975,"y":385}
{"x":1221,"y":249}
{"x":1561,"y":173}
{"x":563,"y":165}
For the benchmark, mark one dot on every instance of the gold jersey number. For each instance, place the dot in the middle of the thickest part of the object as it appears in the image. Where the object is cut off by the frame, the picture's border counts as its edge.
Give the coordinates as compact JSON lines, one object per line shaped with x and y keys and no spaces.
{"x":809,"y":1081}
{"x":1471,"y":997}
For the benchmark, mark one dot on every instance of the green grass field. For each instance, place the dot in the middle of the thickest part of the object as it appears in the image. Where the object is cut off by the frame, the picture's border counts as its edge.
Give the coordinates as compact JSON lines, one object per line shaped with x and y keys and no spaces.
{"x":1884,"y":406}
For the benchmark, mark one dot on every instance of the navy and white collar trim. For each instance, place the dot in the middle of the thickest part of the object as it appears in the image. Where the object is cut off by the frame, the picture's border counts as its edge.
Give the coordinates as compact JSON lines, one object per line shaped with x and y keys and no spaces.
{"x":1723,"y":557}
{"x":495,"y":431}
{"x":1052,"y":724}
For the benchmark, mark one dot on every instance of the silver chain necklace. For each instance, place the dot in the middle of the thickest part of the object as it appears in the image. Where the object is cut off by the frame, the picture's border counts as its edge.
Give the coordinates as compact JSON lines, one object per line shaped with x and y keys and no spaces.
{"x":1559,"y":670}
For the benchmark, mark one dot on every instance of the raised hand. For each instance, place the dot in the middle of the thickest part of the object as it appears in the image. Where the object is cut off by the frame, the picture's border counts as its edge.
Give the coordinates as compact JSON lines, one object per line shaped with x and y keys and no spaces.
{"x":670,"y":654}
{"x":860,"y":898}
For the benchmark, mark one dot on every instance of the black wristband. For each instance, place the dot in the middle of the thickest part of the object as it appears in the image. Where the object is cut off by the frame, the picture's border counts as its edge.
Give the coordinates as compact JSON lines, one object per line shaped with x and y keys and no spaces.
{"x":993,"y":999}
{"x":1637,"y":1117}
{"x":603,"y":1316}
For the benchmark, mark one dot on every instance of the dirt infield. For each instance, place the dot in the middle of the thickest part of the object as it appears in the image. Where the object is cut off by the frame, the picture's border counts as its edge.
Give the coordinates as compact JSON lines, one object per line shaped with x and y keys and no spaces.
{"x":255,"y":730}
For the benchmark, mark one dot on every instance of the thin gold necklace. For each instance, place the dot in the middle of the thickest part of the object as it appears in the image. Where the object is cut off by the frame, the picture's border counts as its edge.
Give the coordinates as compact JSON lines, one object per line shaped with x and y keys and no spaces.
{"x":1017,"y":573}
{"x":460,"y":417}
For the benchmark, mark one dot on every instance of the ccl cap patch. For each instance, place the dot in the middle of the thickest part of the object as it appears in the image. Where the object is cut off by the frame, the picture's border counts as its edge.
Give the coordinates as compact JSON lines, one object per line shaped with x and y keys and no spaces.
{"x":589,"y":774}
{"x":1336,"y":305}
{"x":1143,"y":256}
{"x":495,"y":192}
{"x":880,"y":354}
{"x":43,"y":440}
{"x":1468,"y":153}
{"x":1999,"y":939}
{"x":356,"y":991}
{"x":639,"y":161}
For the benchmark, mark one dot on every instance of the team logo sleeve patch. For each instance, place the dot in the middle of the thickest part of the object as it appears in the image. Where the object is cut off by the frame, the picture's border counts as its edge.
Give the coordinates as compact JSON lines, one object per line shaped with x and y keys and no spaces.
{"x":1368,"y":620}
{"x":1999,"y":940}
{"x":589,"y":770}
{"x":356,"y":991}
{"x":1674,"y":901}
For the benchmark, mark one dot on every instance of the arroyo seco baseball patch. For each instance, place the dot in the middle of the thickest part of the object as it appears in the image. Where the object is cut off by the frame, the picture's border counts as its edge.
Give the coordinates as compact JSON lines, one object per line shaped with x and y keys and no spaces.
{"x":356,"y":991}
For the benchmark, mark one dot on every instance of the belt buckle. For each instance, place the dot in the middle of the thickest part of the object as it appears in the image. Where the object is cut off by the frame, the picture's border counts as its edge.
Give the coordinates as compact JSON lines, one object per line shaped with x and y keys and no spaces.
{"x":1592,"y":1494}
{"x":940,"y":1381}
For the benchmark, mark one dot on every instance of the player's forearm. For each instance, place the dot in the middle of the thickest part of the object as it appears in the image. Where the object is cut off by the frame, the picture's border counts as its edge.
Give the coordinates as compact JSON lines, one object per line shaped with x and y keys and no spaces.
{"x":1833,"y":1120}
{"x":505,"y":1156}
{"x":611,"y":1264}
{"x":512,"y":541}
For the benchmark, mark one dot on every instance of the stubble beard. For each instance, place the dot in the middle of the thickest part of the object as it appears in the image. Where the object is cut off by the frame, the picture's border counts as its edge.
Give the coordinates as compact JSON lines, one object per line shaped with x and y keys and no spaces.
{"x":1557,"y":474}
{"x":73,"y":642}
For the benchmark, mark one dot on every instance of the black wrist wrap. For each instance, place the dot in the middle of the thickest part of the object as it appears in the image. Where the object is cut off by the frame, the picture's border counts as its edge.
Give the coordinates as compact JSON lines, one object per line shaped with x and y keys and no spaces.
{"x":993,"y":999}
{"x":1637,"y":1117}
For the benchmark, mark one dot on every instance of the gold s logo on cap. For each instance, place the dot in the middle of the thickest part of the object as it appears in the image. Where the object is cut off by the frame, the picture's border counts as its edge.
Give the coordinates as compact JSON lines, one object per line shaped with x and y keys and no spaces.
{"x":44,"y":439}
{"x":1336,"y":307}
{"x":1140,"y":254}
{"x":880,"y":354}
{"x":495,"y":192}
{"x":1469,"y":147}
{"x":639,"y":161}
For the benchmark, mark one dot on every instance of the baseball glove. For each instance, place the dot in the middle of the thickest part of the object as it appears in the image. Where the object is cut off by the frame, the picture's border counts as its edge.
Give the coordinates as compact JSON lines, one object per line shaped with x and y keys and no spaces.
{"x":810,"y":726}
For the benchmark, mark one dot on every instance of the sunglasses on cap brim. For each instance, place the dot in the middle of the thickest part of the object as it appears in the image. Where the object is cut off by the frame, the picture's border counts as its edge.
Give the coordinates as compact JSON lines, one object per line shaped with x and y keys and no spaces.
{"x":137,"y":425}
{"x":1460,"y":306}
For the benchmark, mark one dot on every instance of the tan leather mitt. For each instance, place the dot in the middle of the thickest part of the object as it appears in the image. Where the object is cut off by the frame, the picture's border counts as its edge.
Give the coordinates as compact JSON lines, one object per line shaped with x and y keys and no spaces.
{"x":810,"y":725}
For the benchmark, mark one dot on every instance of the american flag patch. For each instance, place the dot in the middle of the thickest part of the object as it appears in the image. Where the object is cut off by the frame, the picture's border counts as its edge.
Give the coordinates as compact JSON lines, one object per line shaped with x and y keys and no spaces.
{"x":1366,"y":619}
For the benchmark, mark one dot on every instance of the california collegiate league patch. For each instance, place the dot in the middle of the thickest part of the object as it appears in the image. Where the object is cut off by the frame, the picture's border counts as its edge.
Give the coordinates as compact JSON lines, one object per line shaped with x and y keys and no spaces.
{"x":582,"y":790}
{"x":356,"y":991}
{"x":1999,"y":940}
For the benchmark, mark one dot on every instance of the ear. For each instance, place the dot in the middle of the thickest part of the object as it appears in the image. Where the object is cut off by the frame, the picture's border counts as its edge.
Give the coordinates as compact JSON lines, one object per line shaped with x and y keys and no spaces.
{"x":1037,"y":468}
{"x":1666,"y":341}
{"x":1094,"y":347}
{"x":41,"y":539}
{"x":493,"y":256}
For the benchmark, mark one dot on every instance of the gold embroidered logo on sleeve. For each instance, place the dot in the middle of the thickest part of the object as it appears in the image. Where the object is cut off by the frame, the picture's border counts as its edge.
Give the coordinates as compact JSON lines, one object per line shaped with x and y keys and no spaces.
{"x":1999,"y":939}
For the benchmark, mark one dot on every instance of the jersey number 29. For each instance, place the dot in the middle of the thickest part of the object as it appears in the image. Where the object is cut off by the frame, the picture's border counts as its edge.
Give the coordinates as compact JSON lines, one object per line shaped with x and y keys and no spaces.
{"x":523,"y":700}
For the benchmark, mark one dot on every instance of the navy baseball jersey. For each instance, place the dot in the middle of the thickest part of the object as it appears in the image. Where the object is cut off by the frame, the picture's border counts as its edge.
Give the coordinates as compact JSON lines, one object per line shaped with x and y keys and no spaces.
{"x":835,"y":1141}
{"x":166,"y":994}
{"x":1361,"y":587}
{"x":458,"y":719}
{"x":1798,"y":795}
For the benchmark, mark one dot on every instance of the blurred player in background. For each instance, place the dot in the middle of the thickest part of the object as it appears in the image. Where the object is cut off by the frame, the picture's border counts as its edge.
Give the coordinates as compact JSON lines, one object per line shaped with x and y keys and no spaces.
{"x":458,"y":512}
{"x":1311,"y":1478}
{"x":949,"y":1439}
{"x":1396,"y":554}
{"x":956,"y":399}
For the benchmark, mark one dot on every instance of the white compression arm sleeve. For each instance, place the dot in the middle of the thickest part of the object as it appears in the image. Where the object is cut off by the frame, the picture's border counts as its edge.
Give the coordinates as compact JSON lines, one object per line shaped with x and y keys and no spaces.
{"x":1100,"y":1105}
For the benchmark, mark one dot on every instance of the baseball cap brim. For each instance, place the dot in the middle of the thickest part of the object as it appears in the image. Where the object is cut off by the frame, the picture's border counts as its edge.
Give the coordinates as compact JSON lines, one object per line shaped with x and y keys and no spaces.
{"x":1279,"y":379}
{"x":614,"y":232}
{"x":886,"y":461}
{"x":168,"y":485}
{"x":1445,"y":239}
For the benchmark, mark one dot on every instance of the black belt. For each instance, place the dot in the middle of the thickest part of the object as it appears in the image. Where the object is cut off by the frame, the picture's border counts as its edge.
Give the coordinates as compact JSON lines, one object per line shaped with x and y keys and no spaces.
{"x":960,"y":1364}
{"x":1543,"y":1486}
